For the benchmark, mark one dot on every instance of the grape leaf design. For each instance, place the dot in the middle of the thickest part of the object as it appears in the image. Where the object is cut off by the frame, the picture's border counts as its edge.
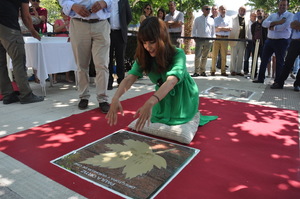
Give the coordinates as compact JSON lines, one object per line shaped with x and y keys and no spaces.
{"x":136,"y":157}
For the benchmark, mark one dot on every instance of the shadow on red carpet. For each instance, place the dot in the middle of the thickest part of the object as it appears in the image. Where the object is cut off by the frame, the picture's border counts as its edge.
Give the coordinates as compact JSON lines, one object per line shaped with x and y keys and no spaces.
{"x":249,"y":152}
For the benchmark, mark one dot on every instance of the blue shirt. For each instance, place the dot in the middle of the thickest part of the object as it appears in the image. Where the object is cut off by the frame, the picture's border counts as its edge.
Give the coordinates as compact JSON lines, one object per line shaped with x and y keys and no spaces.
{"x":296,"y":33}
{"x":101,"y":14}
{"x":282,"y":31}
{"x":223,"y":22}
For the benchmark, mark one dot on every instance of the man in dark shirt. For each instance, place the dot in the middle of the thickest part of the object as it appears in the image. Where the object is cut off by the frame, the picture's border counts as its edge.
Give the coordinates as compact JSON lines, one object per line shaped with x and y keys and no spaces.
{"x":259,"y":32}
{"x":12,"y":43}
{"x":119,"y":20}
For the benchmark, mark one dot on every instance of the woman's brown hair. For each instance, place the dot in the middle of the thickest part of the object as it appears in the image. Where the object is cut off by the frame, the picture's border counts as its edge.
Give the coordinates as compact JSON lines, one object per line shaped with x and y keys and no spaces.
{"x":154,"y":29}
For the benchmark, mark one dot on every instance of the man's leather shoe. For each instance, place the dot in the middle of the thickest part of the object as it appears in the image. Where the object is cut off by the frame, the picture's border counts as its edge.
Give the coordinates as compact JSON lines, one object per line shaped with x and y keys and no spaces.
{"x":203,"y":74}
{"x":233,"y":74}
{"x":276,"y":86}
{"x":257,"y":81}
{"x":224,"y":74}
{"x":240,"y":74}
{"x":31,"y":98}
{"x":104,"y":107}
{"x":109,"y":87}
{"x":195,"y":75}
{"x":83,"y":104}
{"x":296,"y":88}
{"x":212,"y":74}
{"x":13,"y":97}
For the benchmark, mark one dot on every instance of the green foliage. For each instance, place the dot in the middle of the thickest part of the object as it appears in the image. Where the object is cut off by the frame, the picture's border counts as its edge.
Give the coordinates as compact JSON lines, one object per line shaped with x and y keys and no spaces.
{"x":53,"y":8}
{"x":271,"y":6}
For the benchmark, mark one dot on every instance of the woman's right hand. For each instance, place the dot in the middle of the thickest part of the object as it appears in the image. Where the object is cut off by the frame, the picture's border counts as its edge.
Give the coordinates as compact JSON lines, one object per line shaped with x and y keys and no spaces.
{"x":112,"y":115}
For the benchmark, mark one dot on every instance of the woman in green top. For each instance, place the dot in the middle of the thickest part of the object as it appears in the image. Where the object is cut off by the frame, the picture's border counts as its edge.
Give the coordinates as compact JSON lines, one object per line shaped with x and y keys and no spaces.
{"x":176,"y":98}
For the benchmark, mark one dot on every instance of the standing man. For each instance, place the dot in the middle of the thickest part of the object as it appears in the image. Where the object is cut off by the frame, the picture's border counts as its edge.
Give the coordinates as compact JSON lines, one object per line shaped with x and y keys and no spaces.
{"x":239,"y":30}
{"x":293,"y":53}
{"x":11,"y":42}
{"x":174,"y":20}
{"x":279,"y":32}
{"x":204,"y":26}
{"x":214,"y":11}
{"x":223,"y":26}
{"x":259,"y":32}
{"x":250,"y":44}
{"x":119,"y":20}
{"x":89,"y":34}
{"x":42,"y":14}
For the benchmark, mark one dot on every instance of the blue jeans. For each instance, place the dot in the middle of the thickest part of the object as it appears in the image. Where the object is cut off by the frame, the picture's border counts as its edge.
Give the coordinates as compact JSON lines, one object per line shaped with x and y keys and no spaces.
{"x":296,"y":65}
{"x":277,"y":46}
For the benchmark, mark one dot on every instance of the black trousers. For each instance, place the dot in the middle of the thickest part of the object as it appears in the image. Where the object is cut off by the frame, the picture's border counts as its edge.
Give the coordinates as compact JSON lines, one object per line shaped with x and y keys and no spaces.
{"x":116,"y":55}
{"x":249,"y":51}
{"x":293,"y":52}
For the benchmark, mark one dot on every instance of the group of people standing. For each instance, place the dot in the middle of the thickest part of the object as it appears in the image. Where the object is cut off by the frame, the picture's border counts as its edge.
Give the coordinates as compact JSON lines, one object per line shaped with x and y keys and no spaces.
{"x":274,"y":33}
{"x":99,"y":30}
{"x":174,"y":19}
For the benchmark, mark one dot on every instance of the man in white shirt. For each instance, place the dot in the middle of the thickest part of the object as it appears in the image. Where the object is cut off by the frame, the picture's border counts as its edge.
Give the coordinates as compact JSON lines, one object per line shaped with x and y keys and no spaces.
{"x":174,"y":20}
{"x":293,"y":53}
{"x":223,"y":26}
{"x":204,"y":26}
{"x":89,"y":35}
{"x":279,"y":32}
{"x":250,"y":44}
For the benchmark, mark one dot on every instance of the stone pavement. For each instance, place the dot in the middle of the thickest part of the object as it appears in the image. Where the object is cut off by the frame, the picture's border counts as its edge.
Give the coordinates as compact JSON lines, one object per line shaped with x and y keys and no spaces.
{"x":19,"y":181}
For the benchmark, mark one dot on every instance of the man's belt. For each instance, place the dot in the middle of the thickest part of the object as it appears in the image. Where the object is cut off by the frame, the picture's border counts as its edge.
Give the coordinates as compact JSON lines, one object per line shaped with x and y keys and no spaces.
{"x":88,"y":20}
{"x":223,"y":36}
{"x":277,"y":39}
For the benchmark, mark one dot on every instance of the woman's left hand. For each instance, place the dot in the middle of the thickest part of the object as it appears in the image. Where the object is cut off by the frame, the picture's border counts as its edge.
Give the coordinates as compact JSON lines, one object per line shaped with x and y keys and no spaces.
{"x":144,"y":113}
{"x":112,"y":115}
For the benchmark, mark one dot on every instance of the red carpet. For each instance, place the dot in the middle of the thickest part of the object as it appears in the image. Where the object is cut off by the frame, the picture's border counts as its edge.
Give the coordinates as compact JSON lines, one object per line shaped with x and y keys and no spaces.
{"x":250,"y":152}
{"x":15,"y":87}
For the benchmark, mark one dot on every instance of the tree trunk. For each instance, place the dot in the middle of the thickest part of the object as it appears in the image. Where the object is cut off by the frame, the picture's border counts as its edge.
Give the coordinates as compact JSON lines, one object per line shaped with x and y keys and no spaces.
{"x":188,"y":23}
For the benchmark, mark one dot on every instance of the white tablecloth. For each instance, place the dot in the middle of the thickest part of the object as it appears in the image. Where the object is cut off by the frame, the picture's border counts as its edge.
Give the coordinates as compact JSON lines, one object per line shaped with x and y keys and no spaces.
{"x":48,"y":56}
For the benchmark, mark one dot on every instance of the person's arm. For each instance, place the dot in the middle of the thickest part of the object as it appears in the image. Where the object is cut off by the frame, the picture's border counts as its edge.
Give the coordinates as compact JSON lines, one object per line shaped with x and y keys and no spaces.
{"x":194,"y":28}
{"x":221,"y":29}
{"x":295,"y":25}
{"x":142,"y":18}
{"x":115,"y":106}
{"x":144,"y":113}
{"x":43,"y":16}
{"x":178,"y":23}
{"x":58,"y":28}
{"x":128,"y":12}
{"x":174,"y":24}
{"x":26,"y":17}
{"x":279,"y":22}
{"x":98,"y":5}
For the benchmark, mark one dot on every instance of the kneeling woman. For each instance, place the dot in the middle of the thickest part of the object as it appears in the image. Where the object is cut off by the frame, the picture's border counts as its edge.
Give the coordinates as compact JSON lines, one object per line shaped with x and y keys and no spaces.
{"x":176,"y":98}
